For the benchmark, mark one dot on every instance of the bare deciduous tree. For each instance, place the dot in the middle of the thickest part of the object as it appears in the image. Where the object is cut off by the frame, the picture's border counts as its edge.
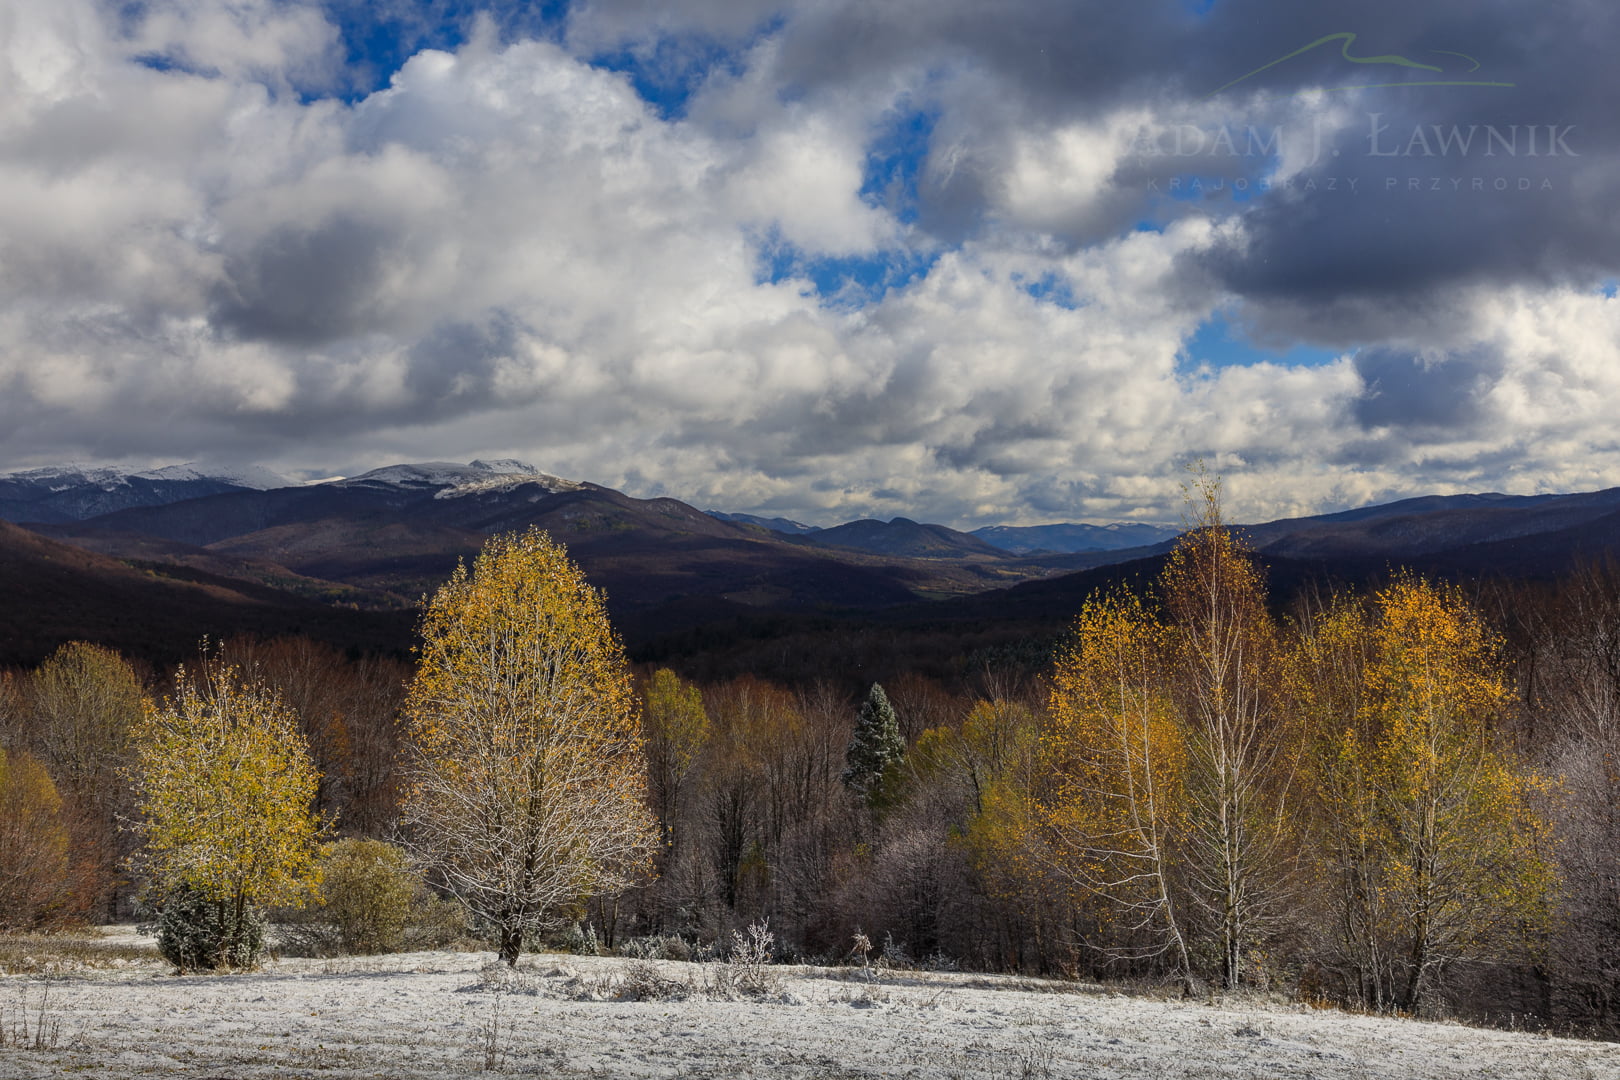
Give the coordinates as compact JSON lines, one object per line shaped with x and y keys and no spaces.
{"x":1238,"y":774}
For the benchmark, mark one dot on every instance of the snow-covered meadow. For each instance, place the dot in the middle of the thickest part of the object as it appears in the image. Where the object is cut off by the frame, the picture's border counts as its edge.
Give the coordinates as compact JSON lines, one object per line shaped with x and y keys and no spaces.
{"x":446,"y":1013}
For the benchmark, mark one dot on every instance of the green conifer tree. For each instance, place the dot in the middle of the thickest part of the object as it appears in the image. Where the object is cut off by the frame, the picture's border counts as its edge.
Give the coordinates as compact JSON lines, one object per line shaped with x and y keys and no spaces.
{"x":875,"y":748}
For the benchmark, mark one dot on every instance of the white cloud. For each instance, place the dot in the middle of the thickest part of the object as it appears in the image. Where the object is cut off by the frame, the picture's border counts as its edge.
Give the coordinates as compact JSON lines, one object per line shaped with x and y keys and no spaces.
{"x":281,"y":42}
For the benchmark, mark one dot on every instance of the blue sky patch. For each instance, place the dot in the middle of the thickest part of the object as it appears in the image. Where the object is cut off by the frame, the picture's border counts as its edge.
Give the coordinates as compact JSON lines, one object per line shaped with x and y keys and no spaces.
{"x":894,"y":163}
{"x":1220,"y":344}
{"x":668,"y":77}
{"x":851,"y":281}
{"x":1050,"y":288}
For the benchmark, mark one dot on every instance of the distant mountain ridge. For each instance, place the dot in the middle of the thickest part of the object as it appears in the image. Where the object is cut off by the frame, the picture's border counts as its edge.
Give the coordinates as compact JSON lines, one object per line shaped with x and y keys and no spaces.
{"x":1069,"y":537}
{"x":786,"y":526}
{"x":449,"y":479}
{"x":902,"y":536}
{"x":78,"y":492}
{"x":382,"y":540}
{"x":396,"y":533}
{"x":55,"y":592}
{"x":1425,"y":526}
{"x":1065,"y":538}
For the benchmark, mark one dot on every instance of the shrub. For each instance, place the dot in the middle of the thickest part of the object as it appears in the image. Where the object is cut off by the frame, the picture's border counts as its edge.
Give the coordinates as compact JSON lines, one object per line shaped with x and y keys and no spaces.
{"x":197,"y":933}
{"x":367,"y":888}
{"x":748,"y":968}
{"x":371,"y":901}
{"x":577,"y":938}
{"x":656,"y":947}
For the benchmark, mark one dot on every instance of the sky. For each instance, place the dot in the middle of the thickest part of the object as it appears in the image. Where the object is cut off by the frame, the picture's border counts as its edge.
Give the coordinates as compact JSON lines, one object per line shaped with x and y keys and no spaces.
{"x":963,"y":262}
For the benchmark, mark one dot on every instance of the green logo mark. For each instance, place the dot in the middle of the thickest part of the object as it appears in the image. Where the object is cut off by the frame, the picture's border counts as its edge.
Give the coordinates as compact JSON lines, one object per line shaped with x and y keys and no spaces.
{"x":1391,"y":60}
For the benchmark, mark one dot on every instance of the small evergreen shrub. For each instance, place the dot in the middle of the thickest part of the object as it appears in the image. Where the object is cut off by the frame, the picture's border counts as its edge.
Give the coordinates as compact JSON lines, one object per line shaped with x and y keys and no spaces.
{"x":195,"y":933}
{"x":579,"y":939}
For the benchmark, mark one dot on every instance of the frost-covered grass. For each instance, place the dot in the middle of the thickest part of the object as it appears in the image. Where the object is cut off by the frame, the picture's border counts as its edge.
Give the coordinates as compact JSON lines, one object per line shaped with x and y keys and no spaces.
{"x":444,"y":1013}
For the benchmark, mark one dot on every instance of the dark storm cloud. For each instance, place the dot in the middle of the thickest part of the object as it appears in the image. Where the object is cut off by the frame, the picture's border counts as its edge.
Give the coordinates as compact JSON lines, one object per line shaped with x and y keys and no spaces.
{"x":1452,"y":185}
{"x":1064,"y":58}
{"x":456,"y":368}
{"x":1440,"y":395}
{"x":1426,"y":216}
{"x":305,"y":284}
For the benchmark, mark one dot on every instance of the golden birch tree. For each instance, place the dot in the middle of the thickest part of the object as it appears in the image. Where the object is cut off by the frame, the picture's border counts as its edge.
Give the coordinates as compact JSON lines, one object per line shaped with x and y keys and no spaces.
{"x":224,"y":787}
{"x":1115,"y":758}
{"x":1224,"y":678}
{"x":1327,"y":667}
{"x":528,"y":781}
{"x":1465,"y":859}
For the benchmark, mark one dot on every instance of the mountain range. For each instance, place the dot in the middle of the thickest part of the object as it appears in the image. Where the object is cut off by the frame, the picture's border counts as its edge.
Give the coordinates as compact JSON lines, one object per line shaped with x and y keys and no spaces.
{"x":1062,"y":538}
{"x":76,"y":492}
{"x":1069,"y":538}
{"x":202,"y":550}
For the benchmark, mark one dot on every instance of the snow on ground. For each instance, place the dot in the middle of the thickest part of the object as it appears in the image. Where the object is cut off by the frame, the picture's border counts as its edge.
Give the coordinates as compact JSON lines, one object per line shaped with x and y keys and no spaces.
{"x":444,"y":1013}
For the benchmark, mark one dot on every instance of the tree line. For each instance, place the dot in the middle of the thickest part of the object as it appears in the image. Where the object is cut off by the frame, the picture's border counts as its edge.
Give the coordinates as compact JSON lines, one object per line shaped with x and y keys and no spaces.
{"x":1403,"y":799}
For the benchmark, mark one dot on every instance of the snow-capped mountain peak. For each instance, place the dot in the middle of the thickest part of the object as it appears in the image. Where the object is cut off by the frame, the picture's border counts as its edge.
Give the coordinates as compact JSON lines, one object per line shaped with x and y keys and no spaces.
{"x":452,"y":479}
{"x":75,"y":492}
{"x":256,"y":477}
{"x":109,"y":477}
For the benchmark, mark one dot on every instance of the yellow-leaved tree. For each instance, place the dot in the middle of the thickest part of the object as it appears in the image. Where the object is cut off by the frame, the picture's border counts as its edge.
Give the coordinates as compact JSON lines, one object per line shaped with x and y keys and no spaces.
{"x":991,"y":758}
{"x":86,"y":704}
{"x":1464,"y":859}
{"x":224,"y":786}
{"x":36,"y":877}
{"x":677,"y":728}
{"x":1326,"y":672}
{"x":528,"y":780}
{"x":1115,"y":756}
{"x":1424,"y":820}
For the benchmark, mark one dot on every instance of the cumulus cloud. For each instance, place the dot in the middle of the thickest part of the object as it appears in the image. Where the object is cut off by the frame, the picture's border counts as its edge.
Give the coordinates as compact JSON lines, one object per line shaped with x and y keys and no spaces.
{"x":213,"y":245}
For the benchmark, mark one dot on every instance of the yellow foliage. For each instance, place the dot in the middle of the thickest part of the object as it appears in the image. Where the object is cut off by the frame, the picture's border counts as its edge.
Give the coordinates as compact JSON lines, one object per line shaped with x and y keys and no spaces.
{"x":224,"y":785}
{"x":1115,"y":756}
{"x":677,"y":728}
{"x":675,"y":719}
{"x":993,"y":745}
{"x":1116,"y":753}
{"x":35,"y":873}
{"x":528,"y":785}
{"x":1225,"y":680}
{"x":87,"y":702}
{"x":1425,"y":818}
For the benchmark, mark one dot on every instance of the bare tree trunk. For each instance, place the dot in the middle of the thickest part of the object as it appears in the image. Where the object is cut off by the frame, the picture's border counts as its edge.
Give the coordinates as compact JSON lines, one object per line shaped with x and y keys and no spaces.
{"x":510,"y":945}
